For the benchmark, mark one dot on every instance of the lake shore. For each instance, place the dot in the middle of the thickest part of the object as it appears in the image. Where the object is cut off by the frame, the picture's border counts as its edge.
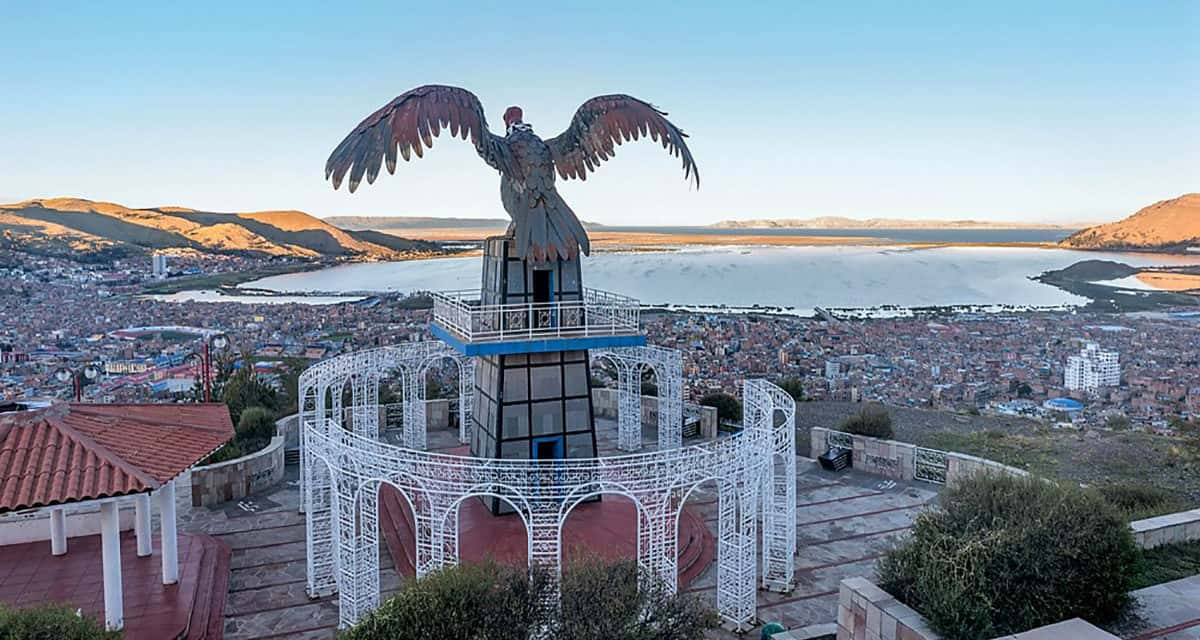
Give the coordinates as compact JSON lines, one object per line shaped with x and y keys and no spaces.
{"x":663,"y":241}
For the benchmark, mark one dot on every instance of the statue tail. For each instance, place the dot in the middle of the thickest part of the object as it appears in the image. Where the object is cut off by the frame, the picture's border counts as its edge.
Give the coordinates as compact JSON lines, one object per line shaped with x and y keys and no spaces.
{"x":544,"y":227}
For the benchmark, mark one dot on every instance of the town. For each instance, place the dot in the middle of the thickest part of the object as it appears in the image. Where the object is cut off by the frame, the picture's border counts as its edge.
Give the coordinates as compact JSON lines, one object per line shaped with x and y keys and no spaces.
{"x":1071,"y":369}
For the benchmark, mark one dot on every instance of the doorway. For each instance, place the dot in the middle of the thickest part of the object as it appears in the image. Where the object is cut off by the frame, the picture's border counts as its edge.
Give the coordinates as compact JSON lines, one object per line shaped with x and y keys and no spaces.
{"x":550,"y":448}
{"x":543,"y":286}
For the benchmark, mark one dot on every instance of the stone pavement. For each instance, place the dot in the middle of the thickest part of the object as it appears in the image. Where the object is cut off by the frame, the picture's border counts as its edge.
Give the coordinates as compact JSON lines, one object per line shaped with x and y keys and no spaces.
{"x":844,"y":522}
{"x":1168,"y":611}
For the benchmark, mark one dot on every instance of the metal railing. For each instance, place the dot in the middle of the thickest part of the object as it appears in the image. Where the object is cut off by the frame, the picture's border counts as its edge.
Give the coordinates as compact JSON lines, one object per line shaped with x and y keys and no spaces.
{"x":598,"y":313}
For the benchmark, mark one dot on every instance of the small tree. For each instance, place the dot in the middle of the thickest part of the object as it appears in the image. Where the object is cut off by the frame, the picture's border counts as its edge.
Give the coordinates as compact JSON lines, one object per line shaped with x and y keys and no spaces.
{"x":246,"y":389}
{"x":1004,"y":554}
{"x":492,"y":601}
{"x":872,"y":421}
{"x":256,"y":426}
{"x":728,"y":407}
{"x":793,"y":387}
{"x":601,"y":601}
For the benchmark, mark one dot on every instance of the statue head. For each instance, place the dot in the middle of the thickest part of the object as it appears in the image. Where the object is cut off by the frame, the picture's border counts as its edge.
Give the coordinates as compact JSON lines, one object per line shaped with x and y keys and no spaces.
{"x":512,"y":115}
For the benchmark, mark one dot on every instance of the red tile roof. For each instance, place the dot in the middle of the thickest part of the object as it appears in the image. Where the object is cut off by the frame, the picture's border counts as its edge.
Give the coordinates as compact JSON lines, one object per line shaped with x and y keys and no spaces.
{"x":76,"y":452}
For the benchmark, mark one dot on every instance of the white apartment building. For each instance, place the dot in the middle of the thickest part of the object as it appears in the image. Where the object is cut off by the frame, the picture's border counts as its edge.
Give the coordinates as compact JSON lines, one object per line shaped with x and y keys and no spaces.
{"x":1092,"y":369}
{"x":158,"y":265}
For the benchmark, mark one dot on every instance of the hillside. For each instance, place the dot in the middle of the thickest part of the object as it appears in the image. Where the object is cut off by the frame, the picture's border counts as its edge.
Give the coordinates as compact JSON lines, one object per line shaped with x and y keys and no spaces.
{"x":395,"y":223}
{"x":389,"y":223}
{"x":838,"y":222}
{"x":85,"y":229}
{"x":1169,"y":225}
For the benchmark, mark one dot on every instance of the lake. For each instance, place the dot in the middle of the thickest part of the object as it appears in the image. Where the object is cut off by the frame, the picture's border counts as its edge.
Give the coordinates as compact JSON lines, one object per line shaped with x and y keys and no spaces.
{"x":796,"y":279}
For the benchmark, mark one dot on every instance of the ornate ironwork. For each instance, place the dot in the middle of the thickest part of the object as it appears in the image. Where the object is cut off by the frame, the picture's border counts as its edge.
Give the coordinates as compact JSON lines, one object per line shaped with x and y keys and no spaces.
{"x":344,"y":468}
{"x":838,"y":439}
{"x":599,"y":313}
{"x":930,"y":465}
{"x":667,"y":365}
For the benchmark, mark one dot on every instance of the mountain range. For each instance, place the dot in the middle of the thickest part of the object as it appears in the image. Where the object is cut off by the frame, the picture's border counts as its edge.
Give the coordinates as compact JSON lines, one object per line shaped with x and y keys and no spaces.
{"x":84,"y":228}
{"x":1168,"y":225}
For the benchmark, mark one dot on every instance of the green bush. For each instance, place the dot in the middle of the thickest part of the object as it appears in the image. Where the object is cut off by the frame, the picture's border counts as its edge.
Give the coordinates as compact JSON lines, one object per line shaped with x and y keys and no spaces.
{"x":256,"y":426}
{"x":1167,"y":563}
{"x":1003,"y":554}
{"x":728,"y":407}
{"x":873,"y":421}
{"x":50,"y":623}
{"x":1137,"y":501}
{"x":601,"y":601}
{"x":253,"y":433}
{"x":490,"y":601}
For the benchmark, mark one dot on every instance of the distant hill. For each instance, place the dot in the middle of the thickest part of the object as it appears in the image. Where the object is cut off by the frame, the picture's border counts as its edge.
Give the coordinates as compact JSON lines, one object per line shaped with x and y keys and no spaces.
{"x":391,"y":223}
{"x":84,"y":228}
{"x":397,"y":223}
{"x":1169,"y":226}
{"x":838,"y":222}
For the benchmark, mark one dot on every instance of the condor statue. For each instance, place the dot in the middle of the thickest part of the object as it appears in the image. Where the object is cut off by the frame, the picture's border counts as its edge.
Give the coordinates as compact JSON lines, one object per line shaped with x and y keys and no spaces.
{"x":543,"y":227}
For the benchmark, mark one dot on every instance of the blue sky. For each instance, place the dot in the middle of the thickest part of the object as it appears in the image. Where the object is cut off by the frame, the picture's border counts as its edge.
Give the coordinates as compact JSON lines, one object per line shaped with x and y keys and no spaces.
{"x":1033,"y":111}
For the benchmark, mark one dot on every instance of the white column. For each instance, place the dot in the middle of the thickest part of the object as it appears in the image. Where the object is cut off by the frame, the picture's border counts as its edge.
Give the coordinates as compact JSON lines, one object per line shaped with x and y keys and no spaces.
{"x":58,"y":531}
{"x":141,"y":524}
{"x":166,"y":526}
{"x":110,"y":546}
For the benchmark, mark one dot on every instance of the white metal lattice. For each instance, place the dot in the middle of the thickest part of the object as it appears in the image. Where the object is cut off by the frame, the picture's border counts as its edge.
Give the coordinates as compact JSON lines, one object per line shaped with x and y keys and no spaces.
{"x":344,"y":469}
{"x":667,"y":365}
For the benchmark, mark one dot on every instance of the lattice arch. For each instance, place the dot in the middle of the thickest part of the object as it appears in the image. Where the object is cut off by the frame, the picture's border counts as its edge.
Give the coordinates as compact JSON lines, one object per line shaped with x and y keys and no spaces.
{"x":667,"y":365}
{"x":344,"y":465}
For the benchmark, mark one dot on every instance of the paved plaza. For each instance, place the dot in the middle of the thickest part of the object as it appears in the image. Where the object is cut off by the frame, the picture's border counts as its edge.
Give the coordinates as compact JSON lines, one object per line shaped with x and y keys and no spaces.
{"x":845,"y":521}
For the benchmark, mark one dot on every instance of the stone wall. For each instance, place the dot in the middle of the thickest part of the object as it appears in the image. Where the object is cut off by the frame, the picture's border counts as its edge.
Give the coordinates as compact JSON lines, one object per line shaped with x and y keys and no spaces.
{"x":240,"y":477}
{"x":904,"y":461}
{"x":289,"y":428}
{"x":867,"y":612}
{"x":1169,"y":529}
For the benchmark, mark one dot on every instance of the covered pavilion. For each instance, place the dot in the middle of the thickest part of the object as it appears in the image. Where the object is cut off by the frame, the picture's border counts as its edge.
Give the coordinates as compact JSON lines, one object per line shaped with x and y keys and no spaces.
{"x":75,"y":456}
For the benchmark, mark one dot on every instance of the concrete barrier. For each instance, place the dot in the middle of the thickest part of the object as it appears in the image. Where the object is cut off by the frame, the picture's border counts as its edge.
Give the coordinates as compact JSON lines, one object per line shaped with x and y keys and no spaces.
{"x":240,"y":477}
{"x":904,"y":461}
{"x":1172,"y":528}
{"x":866,"y":611}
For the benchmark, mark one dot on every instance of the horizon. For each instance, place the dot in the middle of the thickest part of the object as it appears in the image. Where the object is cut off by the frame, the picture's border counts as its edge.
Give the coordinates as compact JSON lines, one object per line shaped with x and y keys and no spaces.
{"x":1014,"y":114}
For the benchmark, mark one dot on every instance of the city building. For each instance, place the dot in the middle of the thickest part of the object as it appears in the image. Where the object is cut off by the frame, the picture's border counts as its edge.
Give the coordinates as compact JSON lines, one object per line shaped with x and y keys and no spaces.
{"x":1092,"y":369}
{"x":158,"y":265}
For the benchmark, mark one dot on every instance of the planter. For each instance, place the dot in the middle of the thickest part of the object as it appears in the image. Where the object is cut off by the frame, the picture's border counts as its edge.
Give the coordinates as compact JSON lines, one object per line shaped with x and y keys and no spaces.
{"x":866,"y":611}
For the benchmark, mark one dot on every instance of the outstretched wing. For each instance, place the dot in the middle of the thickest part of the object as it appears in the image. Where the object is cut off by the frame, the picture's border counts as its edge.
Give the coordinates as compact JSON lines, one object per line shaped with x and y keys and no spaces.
{"x":412,"y":119}
{"x":604,"y":122}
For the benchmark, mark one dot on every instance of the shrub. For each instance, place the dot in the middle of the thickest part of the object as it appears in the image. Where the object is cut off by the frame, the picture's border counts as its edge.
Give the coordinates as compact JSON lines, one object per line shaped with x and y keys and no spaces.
{"x":50,"y":623}
{"x":728,"y":407}
{"x":256,"y":426}
{"x":1167,"y":563}
{"x":1137,"y":501}
{"x":491,"y":601}
{"x":601,"y":601}
{"x":872,"y":421}
{"x":253,"y":432}
{"x":1003,"y":554}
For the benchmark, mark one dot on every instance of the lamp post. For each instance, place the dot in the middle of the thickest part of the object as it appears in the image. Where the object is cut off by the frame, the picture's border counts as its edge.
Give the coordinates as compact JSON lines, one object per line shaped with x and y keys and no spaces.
{"x":218,"y":341}
{"x":89,"y":372}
